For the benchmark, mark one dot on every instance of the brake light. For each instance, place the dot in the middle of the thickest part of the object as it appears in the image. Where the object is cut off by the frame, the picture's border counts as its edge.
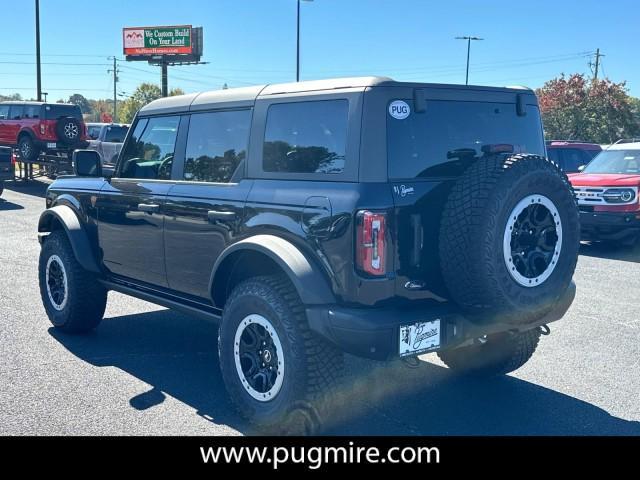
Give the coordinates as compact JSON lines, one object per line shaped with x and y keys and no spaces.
{"x":43,"y":129}
{"x":370,"y":242}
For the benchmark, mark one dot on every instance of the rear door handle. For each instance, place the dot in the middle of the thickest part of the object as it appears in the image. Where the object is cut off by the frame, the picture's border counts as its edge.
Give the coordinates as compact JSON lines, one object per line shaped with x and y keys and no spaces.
{"x":214,"y":215}
{"x":148,"y":207}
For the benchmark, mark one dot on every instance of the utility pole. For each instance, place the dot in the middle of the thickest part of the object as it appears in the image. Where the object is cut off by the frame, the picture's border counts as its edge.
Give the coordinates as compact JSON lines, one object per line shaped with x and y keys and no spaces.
{"x":468,"y":39}
{"x":38,"y":70}
{"x":596,"y":66}
{"x":298,"y":41}
{"x":115,"y":72}
{"x":165,"y":80}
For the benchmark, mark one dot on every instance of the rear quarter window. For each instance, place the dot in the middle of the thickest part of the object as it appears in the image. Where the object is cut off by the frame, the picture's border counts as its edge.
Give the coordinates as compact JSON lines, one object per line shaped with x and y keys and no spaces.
{"x":306,"y":137}
{"x":448,"y":136}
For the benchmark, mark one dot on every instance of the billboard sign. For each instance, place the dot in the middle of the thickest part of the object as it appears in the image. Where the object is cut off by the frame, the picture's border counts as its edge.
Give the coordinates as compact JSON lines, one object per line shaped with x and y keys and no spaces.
{"x":171,"y":40}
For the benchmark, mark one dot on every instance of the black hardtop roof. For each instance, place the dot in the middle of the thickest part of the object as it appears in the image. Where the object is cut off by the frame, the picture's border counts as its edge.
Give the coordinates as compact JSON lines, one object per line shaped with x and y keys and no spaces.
{"x":237,"y":96}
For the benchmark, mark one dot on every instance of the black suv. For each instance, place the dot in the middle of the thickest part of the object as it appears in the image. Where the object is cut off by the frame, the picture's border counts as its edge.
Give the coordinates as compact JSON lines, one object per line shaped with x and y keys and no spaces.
{"x":359,"y":215}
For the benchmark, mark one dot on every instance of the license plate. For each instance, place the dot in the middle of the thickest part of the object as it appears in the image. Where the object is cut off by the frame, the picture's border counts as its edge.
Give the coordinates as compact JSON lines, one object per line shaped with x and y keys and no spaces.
{"x":419,"y":338}
{"x":51,"y":145}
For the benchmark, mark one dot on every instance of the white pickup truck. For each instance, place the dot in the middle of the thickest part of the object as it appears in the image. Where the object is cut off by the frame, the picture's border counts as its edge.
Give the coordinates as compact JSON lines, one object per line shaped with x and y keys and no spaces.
{"x":107,"y":139}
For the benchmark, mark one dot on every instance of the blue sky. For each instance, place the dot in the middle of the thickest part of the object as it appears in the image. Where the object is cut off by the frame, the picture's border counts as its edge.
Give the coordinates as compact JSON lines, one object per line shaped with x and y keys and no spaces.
{"x":253,"y":41}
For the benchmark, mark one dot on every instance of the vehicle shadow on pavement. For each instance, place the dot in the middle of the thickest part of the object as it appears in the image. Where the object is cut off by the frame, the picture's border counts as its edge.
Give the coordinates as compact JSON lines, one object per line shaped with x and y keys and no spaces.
{"x":35,"y":188}
{"x":7,"y":205}
{"x":609,"y":252}
{"x":177,"y":356}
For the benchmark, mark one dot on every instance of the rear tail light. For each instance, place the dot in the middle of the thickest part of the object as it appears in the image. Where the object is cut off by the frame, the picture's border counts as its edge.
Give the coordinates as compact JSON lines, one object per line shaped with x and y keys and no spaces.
{"x":371,"y":243}
{"x":43,"y":129}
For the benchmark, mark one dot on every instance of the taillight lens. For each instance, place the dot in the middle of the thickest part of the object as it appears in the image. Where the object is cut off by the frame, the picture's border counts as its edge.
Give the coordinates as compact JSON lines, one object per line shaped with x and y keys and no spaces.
{"x":370,"y":242}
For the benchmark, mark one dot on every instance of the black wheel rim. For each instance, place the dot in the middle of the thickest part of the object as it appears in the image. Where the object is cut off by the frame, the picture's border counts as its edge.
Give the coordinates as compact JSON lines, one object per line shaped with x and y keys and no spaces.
{"x":258,"y":358}
{"x":533,"y":241}
{"x":56,"y":283}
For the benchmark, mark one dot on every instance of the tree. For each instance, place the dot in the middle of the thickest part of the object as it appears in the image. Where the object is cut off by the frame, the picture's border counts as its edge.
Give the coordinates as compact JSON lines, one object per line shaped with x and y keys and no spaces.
{"x":598,"y":111}
{"x":144,"y":94}
{"x":82,"y":102}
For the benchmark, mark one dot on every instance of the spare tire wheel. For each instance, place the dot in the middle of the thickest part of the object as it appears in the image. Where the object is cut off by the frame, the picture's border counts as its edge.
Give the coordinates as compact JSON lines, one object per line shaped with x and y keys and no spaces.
{"x":69,"y":130}
{"x":509,"y":238}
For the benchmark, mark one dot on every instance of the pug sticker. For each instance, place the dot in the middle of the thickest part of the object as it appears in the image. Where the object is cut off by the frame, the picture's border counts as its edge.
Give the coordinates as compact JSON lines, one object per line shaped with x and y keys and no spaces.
{"x":399,"y":109}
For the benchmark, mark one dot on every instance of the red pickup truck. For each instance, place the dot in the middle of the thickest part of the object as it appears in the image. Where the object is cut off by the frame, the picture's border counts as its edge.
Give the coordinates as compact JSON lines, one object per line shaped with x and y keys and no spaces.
{"x":607,"y":194}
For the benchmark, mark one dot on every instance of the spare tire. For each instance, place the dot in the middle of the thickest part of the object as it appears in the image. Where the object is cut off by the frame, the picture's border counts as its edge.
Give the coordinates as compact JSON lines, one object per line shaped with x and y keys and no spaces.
{"x":69,"y":130}
{"x":509,"y":238}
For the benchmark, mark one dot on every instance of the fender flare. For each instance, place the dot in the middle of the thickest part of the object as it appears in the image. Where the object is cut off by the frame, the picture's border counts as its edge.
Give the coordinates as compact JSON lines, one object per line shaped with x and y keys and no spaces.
{"x":75,"y":233}
{"x":28,"y":132}
{"x":308,"y":280}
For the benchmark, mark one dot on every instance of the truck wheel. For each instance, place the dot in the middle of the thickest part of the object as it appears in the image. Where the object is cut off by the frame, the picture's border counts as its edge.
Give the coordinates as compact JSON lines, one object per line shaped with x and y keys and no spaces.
{"x":28,"y":149}
{"x":496,"y":354}
{"x":509,"y":238}
{"x":277,"y":372}
{"x":72,"y":297}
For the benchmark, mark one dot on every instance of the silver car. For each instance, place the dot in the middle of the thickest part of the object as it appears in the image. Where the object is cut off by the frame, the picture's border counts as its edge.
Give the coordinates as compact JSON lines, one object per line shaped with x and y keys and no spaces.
{"x":107,"y":139}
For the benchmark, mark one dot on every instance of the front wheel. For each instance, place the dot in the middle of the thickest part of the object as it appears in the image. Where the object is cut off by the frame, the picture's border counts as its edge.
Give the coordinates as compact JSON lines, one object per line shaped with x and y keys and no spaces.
{"x":277,"y":371}
{"x":72,"y":297}
{"x":492,"y":355}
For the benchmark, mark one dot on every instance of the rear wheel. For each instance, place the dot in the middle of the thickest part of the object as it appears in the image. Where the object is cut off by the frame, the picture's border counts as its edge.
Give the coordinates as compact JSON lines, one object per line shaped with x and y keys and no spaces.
{"x":277,"y":371}
{"x":492,"y":355}
{"x":27,"y":148}
{"x":72,"y":297}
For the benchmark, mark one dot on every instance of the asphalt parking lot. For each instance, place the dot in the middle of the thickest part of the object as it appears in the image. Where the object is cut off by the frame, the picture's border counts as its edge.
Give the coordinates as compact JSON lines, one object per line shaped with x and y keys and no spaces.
{"x":148,"y":370}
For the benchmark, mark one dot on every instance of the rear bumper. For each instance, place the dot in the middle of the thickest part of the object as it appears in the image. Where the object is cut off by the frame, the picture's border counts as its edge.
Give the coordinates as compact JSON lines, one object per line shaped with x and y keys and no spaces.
{"x":52,"y":146}
{"x":609,"y":225}
{"x":374,"y":333}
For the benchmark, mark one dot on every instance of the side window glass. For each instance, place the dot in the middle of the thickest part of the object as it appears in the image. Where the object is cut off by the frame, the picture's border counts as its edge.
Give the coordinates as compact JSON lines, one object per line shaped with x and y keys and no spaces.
{"x":306,"y":137}
{"x":31,"y":111}
{"x":15,"y":113}
{"x":4,"y":112}
{"x":216,"y":145}
{"x":149,"y":152}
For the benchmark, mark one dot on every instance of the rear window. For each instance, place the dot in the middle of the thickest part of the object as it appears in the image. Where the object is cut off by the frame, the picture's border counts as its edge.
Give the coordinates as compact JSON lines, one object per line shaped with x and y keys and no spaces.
{"x":306,"y":137}
{"x":93,"y":131}
{"x":116,"y":134}
{"x":445,"y":139}
{"x":58,"y":110}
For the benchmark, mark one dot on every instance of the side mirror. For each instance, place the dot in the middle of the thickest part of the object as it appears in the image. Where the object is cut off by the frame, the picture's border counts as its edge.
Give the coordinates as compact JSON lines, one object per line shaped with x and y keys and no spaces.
{"x":581,"y":168}
{"x":87,"y":163}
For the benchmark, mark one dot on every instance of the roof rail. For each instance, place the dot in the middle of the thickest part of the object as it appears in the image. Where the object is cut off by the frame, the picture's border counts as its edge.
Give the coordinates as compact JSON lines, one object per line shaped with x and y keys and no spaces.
{"x":628,"y":140}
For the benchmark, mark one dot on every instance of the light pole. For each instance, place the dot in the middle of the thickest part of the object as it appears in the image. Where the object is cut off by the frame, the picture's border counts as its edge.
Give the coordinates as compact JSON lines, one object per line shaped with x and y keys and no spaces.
{"x":298,"y":40}
{"x":468,"y":39}
{"x":38,"y":71}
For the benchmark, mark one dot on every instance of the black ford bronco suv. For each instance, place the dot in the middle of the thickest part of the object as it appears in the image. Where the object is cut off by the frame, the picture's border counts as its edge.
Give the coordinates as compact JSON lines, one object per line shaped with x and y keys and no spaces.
{"x":358,"y":215}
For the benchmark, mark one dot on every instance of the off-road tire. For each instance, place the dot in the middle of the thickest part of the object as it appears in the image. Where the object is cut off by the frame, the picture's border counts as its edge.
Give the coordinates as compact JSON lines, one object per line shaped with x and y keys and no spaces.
{"x":472,"y":229}
{"x":502,"y":353}
{"x":27,"y":148}
{"x":62,"y":134}
{"x":87,"y":298}
{"x":312,"y":367}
